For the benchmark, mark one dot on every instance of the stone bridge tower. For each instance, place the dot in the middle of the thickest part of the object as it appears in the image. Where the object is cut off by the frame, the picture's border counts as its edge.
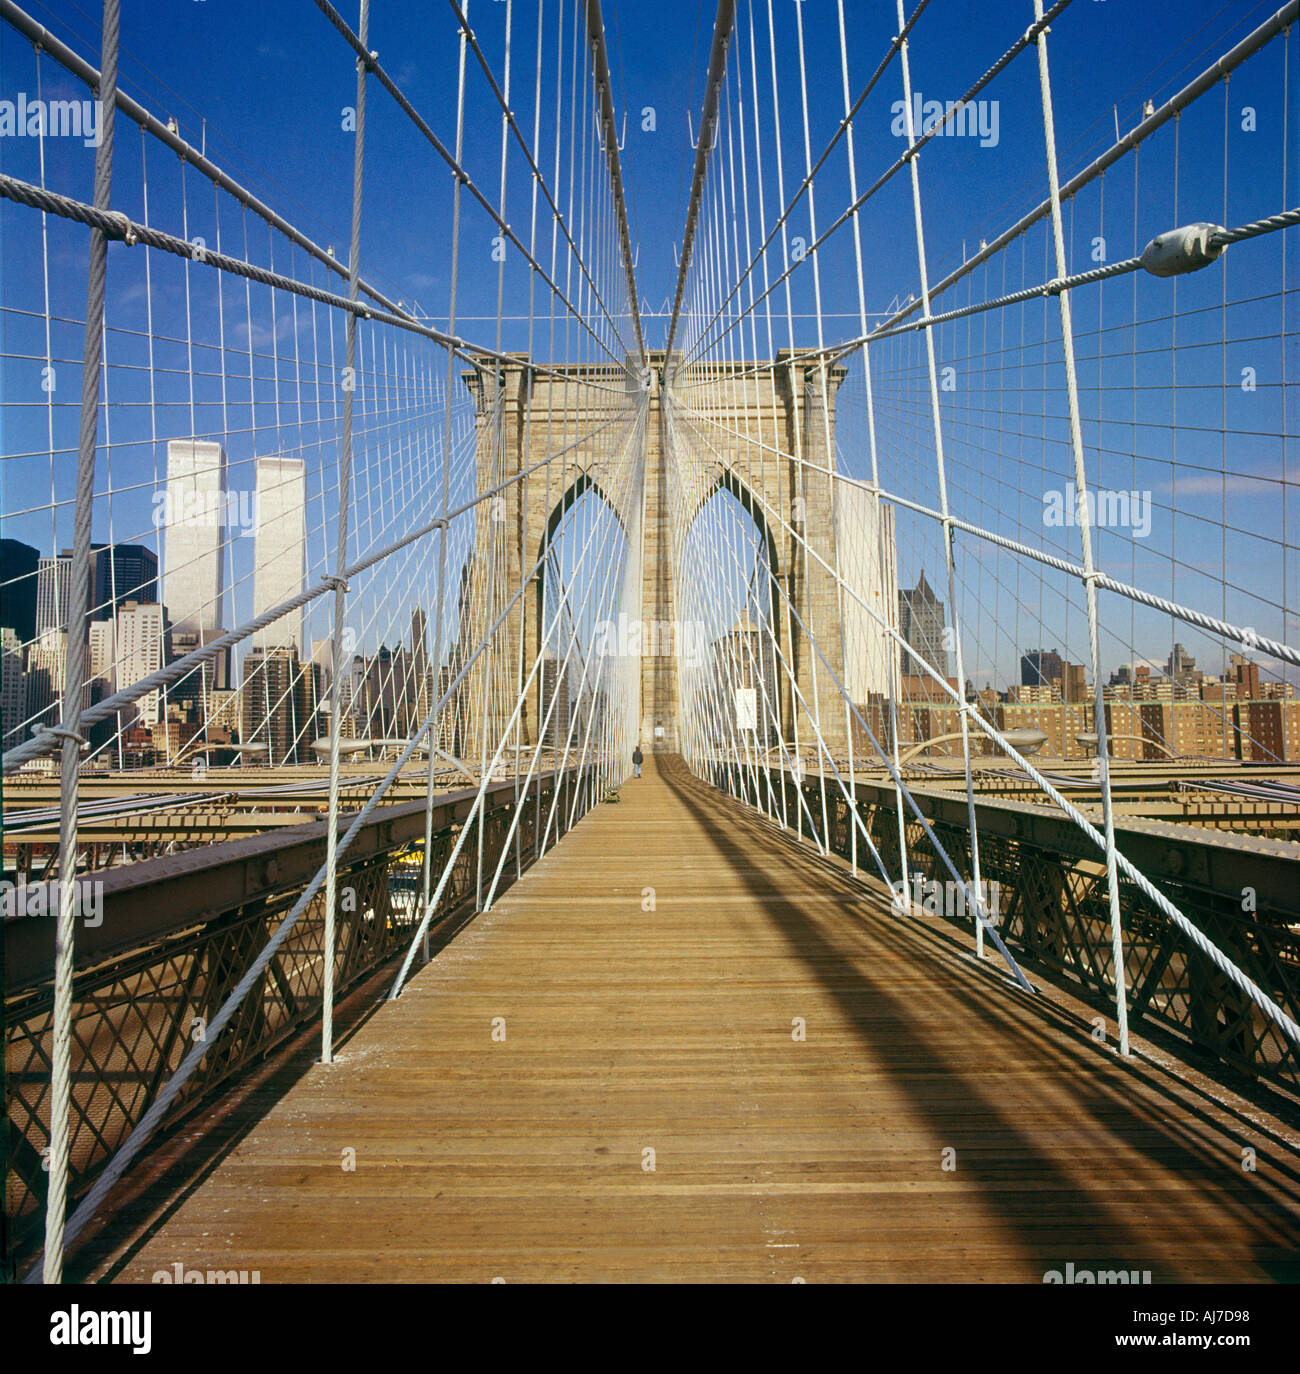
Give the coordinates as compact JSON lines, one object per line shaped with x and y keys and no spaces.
{"x":766,"y":435}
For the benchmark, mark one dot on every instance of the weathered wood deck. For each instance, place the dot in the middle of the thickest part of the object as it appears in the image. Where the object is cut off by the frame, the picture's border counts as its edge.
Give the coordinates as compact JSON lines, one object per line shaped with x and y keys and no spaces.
{"x":629,"y":1031}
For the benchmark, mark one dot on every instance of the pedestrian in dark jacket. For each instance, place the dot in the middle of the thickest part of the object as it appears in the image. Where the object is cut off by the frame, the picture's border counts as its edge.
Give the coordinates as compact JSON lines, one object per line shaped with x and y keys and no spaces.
{"x":638,"y":758}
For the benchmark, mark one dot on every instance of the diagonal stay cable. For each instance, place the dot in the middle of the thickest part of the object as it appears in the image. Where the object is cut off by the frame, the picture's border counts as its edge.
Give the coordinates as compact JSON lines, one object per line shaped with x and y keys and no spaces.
{"x":538,"y":176}
{"x":387,"y":82}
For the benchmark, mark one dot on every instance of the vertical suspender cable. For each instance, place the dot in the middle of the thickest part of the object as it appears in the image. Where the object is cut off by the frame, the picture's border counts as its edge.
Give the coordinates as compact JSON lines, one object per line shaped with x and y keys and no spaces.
{"x":609,"y":133}
{"x":74,"y":673}
{"x":941,"y":460}
{"x":440,"y":596}
{"x":722,"y":27}
{"x":341,"y":558}
{"x":1085,"y":537}
{"x":893,"y":667}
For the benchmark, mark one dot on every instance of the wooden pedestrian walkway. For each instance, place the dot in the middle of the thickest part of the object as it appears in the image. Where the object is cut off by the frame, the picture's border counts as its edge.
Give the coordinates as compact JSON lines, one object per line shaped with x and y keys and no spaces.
{"x":684,"y":1048}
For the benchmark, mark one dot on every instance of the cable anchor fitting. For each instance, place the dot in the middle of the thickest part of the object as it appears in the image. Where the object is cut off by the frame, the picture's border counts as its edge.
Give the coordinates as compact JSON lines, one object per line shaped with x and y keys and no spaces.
{"x":60,"y":732}
{"x":1187,"y":249}
{"x":122,"y":230}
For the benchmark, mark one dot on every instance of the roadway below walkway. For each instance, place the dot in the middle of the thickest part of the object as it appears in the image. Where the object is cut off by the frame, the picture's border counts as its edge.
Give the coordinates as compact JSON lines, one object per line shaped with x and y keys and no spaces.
{"x":684,"y":1047}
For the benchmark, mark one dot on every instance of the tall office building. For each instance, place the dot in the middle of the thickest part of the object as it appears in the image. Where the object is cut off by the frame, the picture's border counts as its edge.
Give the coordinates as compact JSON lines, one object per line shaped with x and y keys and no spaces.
{"x":278,"y":707}
{"x":194,"y":535}
{"x":555,"y":687}
{"x":280,"y":547}
{"x":103,"y":655}
{"x":1181,"y":667}
{"x":421,"y":669}
{"x":43,"y":681}
{"x":922,"y":621}
{"x":18,"y":564}
{"x":53,"y":593}
{"x":141,"y":649}
{"x":351,"y":681}
{"x":1040,"y":667}
{"x":118,"y":573}
{"x":121,"y":573}
{"x":375,"y":698}
{"x":322,"y":657}
{"x":450,"y":725}
{"x":864,"y":543}
{"x":102,"y":671}
{"x":12,"y":701}
{"x":194,"y":690}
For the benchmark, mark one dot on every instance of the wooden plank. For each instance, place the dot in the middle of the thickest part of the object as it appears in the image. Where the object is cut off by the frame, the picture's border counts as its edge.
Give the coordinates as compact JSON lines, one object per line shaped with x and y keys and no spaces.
{"x":628,"y":1030}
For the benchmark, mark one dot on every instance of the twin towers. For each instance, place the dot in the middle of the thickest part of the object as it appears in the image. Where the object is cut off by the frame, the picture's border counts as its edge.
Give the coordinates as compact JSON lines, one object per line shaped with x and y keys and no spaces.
{"x":764,"y":432}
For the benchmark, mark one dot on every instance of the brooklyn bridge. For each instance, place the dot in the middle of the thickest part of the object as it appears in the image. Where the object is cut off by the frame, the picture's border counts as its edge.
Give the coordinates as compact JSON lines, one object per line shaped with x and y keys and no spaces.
{"x":531,"y":748}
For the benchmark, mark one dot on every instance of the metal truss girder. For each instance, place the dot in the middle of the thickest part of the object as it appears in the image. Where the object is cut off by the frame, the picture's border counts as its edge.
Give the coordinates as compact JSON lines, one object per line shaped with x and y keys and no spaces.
{"x":157,"y":897}
{"x":1212,"y":861}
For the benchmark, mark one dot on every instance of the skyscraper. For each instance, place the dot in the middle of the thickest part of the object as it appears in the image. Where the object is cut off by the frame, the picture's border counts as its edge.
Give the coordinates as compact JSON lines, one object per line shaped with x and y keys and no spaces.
{"x":278,"y":706}
{"x":18,"y":563}
{"x":555,"y":687}
{"x":421,"y":671}
{"x":103,"y":680}
{"x":864,"y":533}
{"x":280,"y":547}
{"x":122,"y":573}
{"x":12,"y":702}
{"x":194,"y":521}
{"x":1040,"y":667}
{"x":450,"y":726}
{"x":118,"y":573}
{"x":103,"y":655}
{"x":141,"y":649}
{"x":193,"y":692}
{"x":922,"y":621}
{"x":53,"y":592}
{"x":43,"y":682}
{"x":1181,"y":667}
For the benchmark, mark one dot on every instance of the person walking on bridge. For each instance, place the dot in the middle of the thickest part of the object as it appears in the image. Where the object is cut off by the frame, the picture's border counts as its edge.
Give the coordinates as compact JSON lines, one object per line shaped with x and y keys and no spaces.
{"x":638,"y":758}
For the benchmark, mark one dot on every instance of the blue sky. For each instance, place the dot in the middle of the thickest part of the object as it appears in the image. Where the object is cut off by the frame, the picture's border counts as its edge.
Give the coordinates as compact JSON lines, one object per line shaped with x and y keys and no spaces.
{"x":272,"y":82}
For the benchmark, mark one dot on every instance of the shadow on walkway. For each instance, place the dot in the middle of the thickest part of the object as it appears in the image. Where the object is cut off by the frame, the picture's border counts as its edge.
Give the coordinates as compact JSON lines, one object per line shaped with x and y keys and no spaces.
{"x":1155,"y":1128}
